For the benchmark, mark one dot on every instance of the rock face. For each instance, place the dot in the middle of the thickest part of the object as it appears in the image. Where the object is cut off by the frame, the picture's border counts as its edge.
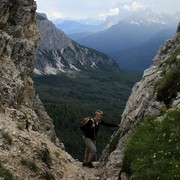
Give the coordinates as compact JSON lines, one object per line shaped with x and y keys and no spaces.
{"x":19,"y":36}
{"x":29,"y":148}
{"x":144,"y":101}
{"x":59,"y":54}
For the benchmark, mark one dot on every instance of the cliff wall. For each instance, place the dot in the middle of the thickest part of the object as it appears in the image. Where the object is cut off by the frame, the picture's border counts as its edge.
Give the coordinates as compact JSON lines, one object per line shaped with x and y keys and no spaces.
{"x":145,"y":100}
{"x":29,"y":148}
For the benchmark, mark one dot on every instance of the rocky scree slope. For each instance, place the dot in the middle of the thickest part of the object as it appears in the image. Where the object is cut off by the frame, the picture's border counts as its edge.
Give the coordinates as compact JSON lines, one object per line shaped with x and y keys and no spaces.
{"x":148,"y":97}
{"x":59,"y":54}
{"x":29,"y":148}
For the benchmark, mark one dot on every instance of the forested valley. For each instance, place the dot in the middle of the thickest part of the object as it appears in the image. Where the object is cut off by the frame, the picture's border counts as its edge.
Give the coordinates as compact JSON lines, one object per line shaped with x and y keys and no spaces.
{"x":67,"y":99}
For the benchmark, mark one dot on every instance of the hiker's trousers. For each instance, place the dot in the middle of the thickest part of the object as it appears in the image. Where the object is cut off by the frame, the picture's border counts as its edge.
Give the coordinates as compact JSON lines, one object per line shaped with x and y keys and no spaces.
{"x":90,"y":146}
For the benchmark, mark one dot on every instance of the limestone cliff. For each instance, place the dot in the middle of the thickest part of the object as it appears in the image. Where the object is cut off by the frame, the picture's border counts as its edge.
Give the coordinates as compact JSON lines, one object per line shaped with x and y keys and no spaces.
{"x":57,"y":53}
{"x":29,"y":148}
{"x":146,"y":100}
{"x":19,"y":36}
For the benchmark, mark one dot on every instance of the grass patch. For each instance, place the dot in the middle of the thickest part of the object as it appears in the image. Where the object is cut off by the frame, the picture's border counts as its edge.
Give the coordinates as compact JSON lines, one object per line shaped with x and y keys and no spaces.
{"x":20,"y":126}
{"x":57,"y":154}
{"x":5,"y":174}
{"x":153,"y":149}
{"x":169,"y":85}
{"x":48,"y":176}
{"x":172,"y":59}
{"x":30,"y":164}
{"x":7,"y":138}
{"x":114,"y":142}
{"x":46,"y":157}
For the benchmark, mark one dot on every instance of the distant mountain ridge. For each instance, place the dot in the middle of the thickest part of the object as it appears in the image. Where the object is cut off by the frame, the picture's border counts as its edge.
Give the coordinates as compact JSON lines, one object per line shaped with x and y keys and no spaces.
{"x":57,"y":53}
{"x":146,"y":16}
{"x":128,"y":34}
{"x":139,"y":58}
{"x":71,"y":26}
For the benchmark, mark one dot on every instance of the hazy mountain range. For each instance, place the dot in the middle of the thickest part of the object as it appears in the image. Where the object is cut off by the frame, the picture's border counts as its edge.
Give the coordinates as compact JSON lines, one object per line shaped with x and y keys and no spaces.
{"x":128,"y":38}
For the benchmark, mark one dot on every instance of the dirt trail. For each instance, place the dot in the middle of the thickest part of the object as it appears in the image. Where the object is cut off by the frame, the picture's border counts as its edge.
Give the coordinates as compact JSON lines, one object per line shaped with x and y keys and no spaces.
{"x":91,"y":173}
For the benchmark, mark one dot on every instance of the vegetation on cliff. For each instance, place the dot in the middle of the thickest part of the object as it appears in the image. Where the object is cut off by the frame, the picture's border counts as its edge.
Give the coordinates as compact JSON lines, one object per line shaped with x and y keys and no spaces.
{"x":152,"y":150}
{"x":169,"y":85}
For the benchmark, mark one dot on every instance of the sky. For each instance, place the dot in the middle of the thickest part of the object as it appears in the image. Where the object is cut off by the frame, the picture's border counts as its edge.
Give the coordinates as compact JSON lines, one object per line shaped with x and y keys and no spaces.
{"x":100,"y":9}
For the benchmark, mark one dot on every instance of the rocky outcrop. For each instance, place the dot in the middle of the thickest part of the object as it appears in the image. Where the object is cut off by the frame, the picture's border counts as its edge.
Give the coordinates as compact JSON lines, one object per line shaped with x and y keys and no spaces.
{"x":59,"y":54}
{"x":27,"y":154}
{"x":178,"y":29}
{"x":29,"y":148}
{"x":145,"y":101}
{"x":19,"y":36}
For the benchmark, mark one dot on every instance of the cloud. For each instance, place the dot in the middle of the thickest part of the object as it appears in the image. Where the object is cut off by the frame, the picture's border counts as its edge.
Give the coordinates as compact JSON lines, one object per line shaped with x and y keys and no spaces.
{"x":55,"y":15}
{"x":112,"y":12}
{"x":83,"y":9}
{"x":134,"y":6}
{"x":125,"y":7}
{"x":51,"y":8}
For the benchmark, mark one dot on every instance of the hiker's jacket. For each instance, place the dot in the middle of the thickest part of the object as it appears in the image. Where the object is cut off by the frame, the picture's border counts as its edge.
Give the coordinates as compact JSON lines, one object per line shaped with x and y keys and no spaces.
{"x":91,"y":132}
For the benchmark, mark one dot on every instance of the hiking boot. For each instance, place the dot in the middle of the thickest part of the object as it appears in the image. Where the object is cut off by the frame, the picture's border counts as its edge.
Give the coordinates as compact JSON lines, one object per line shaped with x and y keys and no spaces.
{"x":84,"y":164}
{"x":89,"y":165}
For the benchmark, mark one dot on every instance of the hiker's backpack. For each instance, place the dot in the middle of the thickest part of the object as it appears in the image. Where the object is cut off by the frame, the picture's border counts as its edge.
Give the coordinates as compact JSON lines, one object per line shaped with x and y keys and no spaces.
{"x":84,"y":121}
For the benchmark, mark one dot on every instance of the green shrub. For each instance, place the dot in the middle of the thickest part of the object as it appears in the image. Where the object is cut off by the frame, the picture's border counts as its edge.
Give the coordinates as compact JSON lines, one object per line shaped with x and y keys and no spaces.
{"x":29,"y":163}
{"x":7,"y":138}
{"x":173,"y":58}
{"x":57,"y":154}
{"x":153,"y":149}
{"x":48,"y":176}
{"x":169,"y":85}
{"x":34,"y":127}
{"x":114,"y":142}
{"x":24,"y":116}
{"x":5,"y":174}
{"x":46,"y":157}
{"x":20,"y":126}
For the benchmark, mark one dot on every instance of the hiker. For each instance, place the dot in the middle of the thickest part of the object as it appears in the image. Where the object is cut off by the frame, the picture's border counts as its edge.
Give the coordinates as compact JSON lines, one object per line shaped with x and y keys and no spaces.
{"x":90,"y":133}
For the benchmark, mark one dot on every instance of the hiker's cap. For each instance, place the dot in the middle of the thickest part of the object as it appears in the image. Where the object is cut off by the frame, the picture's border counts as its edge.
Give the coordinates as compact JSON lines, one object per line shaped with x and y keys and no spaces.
{"x":99,"y":112}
